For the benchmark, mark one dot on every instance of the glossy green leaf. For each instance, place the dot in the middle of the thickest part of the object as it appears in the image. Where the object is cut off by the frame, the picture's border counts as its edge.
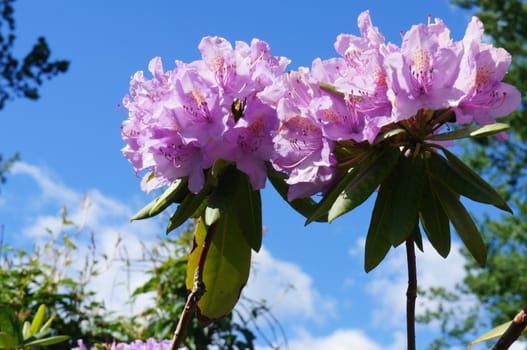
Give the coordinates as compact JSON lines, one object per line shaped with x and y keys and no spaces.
{"x":211,"y":215}
{"x":396,"y":209}
{"x":220,"y":165}
{"x":324,"y":206}
{"x":200,"y":232}
{"x":463,"y":223}
{"x":462,"y":180}
{"x":417,"y":237}
{"x":226,"y":268}
{"x":9,"y":325}
{"x":492,"y":334}
{"x":434,"y":220}
{"x":235,"y":193}
{"x":25,"y":330}
{"x":188,"y":208}
{"x":47,"y":341}
{"x":378,"y":239}
{"x":174,"y":193}
{"x":46,"y":327}
{"x":37,"y":321}
{"x":361,"y":185}
{"x":402,"y":190}
{"x":7,"y":341}
{"x":388,"y":134}
{"x":304,"y":206}
{"x":248,"y":207}
{"x":471,"y":131}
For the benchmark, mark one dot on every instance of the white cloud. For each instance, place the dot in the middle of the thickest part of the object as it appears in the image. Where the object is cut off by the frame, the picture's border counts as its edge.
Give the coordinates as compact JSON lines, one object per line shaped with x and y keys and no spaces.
{"x":285,"y":287}
{"x":288,"y":290}
{"x":343,"y":339}
{"x":390,"y":280}
{"x":93,"y":212}
{"x":52,"y":190}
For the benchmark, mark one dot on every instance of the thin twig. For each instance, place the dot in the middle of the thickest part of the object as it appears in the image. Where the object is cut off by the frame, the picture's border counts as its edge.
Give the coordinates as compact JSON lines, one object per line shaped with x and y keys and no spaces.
{"x":411,"y":294}
{"x":198,"y":289}
{"x":513,"y":332}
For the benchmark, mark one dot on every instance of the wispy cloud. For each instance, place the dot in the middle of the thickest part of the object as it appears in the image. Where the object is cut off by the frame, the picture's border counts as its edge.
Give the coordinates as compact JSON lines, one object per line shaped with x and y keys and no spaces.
{"x":287,"y":289}
{"x":344,"y":339}
{"x":389,"y":280}
{"x":105,"y":222}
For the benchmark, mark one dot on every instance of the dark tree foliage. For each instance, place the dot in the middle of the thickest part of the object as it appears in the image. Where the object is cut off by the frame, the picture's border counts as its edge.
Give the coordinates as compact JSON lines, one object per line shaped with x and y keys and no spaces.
{"x":500,"y":287}
{"x":21,"y":77}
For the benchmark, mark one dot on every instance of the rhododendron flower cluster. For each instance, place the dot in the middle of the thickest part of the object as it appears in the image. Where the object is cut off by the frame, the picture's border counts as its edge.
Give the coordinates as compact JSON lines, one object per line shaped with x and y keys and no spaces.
{"x":182,"y":120}
{"x":237,"y":104}
{"x":150,"y":344}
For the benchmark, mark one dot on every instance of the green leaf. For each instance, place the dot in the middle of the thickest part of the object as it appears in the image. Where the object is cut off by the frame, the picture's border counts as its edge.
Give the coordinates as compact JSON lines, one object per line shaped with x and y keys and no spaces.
{"x":9,"y":325}
{"x":37,"y":321}
{"x":47,"y":325}
{"x":396,"y":209}
{"x":434,"y":220}
{"x":211,"y":215}
{"x":463,"y":223}
{"x":402,"y":191}
{"x":7,"y":341}
{"x":47,"y":341}
{"x":188,"y":208}
{"x":489,"y":129}
{"x":492,"y":334}
{"x":417,"y":237}
{"x":471,"y":131}
{"x":248,"y":206}
{"x":235,"y":193}
{"x":388,"y":134}
{"x":377,"y":240}
{"x":328,"y":201}
{"x":360,"y":187}
{"x":173,"y":194}
{"x":25,"y":330}
{"x":219,"y":166}
{"x":462,"y":180}
{"x":226,"y":268}
{"x":304,"y":206}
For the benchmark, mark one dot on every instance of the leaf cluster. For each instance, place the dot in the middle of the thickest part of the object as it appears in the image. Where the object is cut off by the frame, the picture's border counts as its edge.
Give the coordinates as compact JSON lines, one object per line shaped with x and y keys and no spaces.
{"x":30,"y":334}
{"x":500,"y":286}
{"x":48,"y":275}
{"x":235,"y":331}
{"x":405,"y":166}
{"x":230,"y":215}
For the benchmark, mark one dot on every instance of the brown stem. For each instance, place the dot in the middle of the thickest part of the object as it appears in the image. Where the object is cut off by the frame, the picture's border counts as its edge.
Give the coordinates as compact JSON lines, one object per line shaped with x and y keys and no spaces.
{"x":411,"y":294}
{"x":513,"y":332}
{"x":198,"y":289}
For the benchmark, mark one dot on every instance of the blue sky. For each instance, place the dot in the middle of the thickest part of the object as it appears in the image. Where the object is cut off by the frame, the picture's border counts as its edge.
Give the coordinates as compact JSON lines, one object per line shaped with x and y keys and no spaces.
{"x":70,"y":142}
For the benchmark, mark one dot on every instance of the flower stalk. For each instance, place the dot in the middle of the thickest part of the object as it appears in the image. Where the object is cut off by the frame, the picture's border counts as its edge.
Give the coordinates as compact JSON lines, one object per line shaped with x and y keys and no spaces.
{"x":195,"y":295}
{"x":411,"y":294}
{"x":518,"y":325}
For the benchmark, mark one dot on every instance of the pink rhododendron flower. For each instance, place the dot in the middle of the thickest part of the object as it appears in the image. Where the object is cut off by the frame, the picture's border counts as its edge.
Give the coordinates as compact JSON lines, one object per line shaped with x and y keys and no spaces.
{"x":237,"y":104}
{"x":182,"y":120}
{"x":301,"y":149}
{"x":422,"y":73}
{"x":375,"y":84}
{"x":482,"y":68}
